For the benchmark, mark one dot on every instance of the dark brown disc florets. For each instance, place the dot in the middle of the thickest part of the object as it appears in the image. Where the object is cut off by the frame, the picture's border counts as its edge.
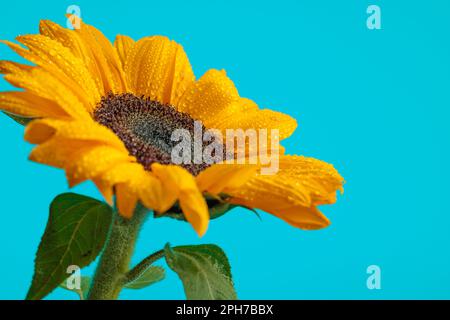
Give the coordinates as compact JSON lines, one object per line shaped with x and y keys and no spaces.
{"x":145,"y":127}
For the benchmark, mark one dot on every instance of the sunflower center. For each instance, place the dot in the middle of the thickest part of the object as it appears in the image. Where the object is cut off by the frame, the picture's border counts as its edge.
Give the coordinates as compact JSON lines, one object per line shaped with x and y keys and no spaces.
{"x":145,"y":127}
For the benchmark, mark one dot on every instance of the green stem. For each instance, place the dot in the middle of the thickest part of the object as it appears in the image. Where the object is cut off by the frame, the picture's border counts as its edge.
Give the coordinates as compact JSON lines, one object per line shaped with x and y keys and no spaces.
{"x":139,"y":269}
{"x":115,"y":259}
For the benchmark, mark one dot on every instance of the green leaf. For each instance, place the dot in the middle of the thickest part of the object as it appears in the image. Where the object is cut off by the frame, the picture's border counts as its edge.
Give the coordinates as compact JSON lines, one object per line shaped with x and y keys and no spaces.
{"x":19,"y":119}
{"x":85,"y":283}
{"x":204,"y":271}
{"x":76,"y":231}
{"x":148,"y":277}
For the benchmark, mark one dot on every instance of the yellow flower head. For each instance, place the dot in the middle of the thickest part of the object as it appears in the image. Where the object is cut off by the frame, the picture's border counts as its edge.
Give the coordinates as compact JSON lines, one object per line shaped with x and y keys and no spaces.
{"x":105,"y":112}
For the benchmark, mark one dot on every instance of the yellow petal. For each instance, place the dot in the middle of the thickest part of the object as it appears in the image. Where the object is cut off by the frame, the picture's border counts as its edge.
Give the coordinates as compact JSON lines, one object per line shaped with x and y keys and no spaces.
{"x":126,"y":200}
{"x":58,"y":152}
{"x":145,"y":188}
{"x":256,"y":120}
{"x":207,"y":97}
{"x":148,"y":188}
{"x":51,"y":71}
{"x":105,"y":57}
{"x":63,"y":64}
{"x":303,"y":217}
{"x":215,"y":101}
{"x":123,"y":45}
{"x":153,"y":194}
{"x":29,"y":105}
{"x":42,"y":83}
{"x":236,"y":108}
{"x":195,"y":210}
{"x":180,"y":182}
{"x":121,"y":173}
{"x":7,"y":67}
{"x":73,"y":41}
{"x":38,"y":131}
{"x":81,"y":159}
{"x":89,"y":163}
{"x":300,"y":183}
{"x":222,"y":177}
{"x":159,"y":69}
{"x":68,"y":38}
{"x":319,"y":177}
{"x":306,"y":218}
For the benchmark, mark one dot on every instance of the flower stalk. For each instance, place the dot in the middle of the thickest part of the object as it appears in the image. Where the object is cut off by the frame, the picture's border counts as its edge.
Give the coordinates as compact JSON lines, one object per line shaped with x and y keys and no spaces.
{"x":110,"y":275}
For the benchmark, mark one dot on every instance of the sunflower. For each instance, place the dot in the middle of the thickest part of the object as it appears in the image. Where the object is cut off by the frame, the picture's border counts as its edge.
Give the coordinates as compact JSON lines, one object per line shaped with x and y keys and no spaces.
{"x":105,"y":112}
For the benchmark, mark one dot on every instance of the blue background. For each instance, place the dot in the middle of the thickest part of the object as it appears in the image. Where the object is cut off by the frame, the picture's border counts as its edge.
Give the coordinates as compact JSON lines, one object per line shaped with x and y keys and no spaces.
{"x":375,"y":103}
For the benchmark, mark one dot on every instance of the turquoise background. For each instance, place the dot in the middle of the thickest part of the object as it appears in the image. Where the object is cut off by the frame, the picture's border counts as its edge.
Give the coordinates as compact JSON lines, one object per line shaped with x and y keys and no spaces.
{"x":375,"y":103}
